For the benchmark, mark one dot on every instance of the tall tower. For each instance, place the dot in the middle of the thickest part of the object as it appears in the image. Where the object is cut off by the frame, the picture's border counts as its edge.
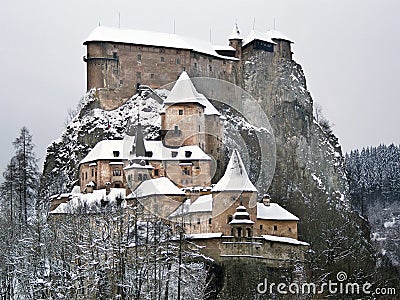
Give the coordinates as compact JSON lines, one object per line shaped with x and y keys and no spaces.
{"x":236,"y":41}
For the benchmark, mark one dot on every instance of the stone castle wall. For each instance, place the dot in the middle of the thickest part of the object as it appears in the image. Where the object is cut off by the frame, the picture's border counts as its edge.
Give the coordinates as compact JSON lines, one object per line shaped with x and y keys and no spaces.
{"x":116,"y":68}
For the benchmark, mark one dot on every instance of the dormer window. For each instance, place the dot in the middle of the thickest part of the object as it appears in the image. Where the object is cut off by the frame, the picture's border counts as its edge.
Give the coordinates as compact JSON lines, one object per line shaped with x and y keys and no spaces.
{"x":181,"y":112}
{"x":149,"y":154}
{"x":116,"y":153}
{"x":188,"y":153}
{"x":174,"y":153}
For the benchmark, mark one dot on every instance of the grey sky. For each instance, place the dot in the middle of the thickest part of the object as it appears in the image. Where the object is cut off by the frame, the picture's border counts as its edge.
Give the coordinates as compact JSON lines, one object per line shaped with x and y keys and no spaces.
{"x":348,"y":49}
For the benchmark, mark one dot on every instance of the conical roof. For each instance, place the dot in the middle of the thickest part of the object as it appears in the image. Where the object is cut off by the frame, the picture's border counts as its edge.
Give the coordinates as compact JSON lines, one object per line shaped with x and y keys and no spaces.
{"x":235,"y":177}
{"x":185,"y":92}
{"x":235,"y":35}
{"x":139,"y":147}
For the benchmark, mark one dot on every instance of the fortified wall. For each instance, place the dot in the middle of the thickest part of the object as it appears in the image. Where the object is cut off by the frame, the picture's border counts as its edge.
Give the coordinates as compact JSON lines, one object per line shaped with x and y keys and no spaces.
{"x":118,"y":60}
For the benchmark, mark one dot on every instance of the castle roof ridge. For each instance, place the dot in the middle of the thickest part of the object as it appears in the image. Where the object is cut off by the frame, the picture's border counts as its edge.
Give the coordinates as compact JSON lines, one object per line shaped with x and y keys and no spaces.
{"x":152,"y":38}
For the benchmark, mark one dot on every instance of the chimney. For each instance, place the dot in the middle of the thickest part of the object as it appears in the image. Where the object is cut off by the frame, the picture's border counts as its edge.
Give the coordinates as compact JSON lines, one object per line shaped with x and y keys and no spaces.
{"x":108,"y":187}
{"x":90,"y":187}
{"x":266,"y":199}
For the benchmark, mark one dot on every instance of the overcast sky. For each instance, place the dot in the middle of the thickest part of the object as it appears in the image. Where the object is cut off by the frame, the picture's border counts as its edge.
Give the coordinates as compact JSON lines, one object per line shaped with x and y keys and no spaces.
{"x":348,"y":50}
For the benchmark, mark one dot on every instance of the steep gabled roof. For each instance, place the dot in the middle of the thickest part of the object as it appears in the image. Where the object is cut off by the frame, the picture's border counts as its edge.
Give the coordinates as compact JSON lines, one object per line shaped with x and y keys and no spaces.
{"x":151,"y":38}
{"x":235,"y":177}
{"x":157,"y":186}
{"x":274,"y":211}
{"x":277,"y":35}
{"x":185,"y":92}
{"x":104,"y":150}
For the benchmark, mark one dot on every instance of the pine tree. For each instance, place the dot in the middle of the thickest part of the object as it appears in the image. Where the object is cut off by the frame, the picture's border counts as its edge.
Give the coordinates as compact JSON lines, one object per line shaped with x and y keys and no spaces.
{"x":26,"y":174}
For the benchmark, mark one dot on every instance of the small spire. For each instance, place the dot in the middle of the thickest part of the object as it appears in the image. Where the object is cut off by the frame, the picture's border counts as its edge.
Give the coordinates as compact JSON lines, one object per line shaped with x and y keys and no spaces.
{"x":235,"y":35}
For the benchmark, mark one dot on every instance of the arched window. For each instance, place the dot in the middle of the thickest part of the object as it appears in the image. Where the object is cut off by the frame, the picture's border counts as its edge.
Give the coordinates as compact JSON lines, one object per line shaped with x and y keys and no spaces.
{"x":248,"y":232}
{"x":239,"y":232}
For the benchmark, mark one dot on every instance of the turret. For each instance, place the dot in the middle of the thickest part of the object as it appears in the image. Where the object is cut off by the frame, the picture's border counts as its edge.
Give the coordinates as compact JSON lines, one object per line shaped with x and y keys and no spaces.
{"x":241,"y":224}
{"x":236,"y":41}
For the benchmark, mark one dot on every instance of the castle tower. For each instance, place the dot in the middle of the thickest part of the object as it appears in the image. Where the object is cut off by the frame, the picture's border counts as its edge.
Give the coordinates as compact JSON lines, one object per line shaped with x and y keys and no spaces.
{"x":182,"y":121}
{"x":241,"y":224}
{"x":283,"y":48}
{"x":232,"y":189}
{"x":139,"y":169}
{"x":236,"y":41}
{"x":189,"y":119}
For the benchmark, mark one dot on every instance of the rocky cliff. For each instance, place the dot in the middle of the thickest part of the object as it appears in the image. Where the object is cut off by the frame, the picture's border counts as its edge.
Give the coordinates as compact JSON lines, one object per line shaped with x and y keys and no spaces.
{"x":309,"y":178}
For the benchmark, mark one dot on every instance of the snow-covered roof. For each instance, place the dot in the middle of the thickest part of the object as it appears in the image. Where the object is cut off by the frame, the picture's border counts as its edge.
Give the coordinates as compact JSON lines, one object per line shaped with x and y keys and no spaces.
{"x":157,"y":186}
{"x":223,"y":48}
{"x":185,"y":92}
{"x":235,"y":35}
{"x":275,"y":34}
{"x":161,"y":152}
{"x":202,"y":204}
{"x":151,"y":38}
{"x":257,"y":35}
{"x":211,"y":235}
{"x":235,"y":177}
{"x":104,"y":150}
{"x":274,"y":212}
{"x":281,"y":239}
{"x":89,"y":201}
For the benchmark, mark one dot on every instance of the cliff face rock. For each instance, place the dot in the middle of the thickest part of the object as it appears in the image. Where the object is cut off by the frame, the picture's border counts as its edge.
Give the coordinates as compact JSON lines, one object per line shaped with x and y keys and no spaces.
{"x":310,"y":178}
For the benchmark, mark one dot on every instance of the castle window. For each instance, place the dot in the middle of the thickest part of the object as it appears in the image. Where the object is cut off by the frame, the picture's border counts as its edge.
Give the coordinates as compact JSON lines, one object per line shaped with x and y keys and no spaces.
{"x":92,"y":172}
{"x":162,"y":50}
{"x":162,"y":59}
{"x":138,"y":75}
{"x":261,"y":227}
{"x":181,"y":112}
{"x":144,"y":176}
{"x":117,"y":172}
{"x":174,"y":153}
{"x":209,"y":221}
{"x":139,"y":57}
{"x":275,"y":227}
{"x":178,"y":61}
{"x":210,"y":67}
{"x":115,"y":55}
{"x":239,"y":232}
{"x":115,"y":153}
{"x":156,"y":172}
{"x":152,"y":76}
{"x":290,"y":229}
{"x":85,"y":175}
{"x":199,"y":128}
{"x":139,"y":177}
{"x":184,"y":68}
{"x":198,"y":220}
{"x":195,"y":65}
{"x":176,"y":129}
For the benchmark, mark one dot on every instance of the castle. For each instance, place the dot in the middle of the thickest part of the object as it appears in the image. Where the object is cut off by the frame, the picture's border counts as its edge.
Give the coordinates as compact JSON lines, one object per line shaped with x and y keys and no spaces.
{"x":117,"y":60}
{"x":174,"y":177}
